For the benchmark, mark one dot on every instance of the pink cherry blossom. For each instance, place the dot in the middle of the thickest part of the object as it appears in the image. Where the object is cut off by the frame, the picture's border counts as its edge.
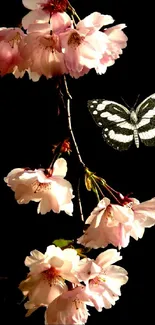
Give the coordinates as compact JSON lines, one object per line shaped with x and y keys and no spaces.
{"x":109,"y":224}
{"x":47,"y":274}
{"x":86,"y":47}
{"x":50,"y":6}
{"x":102,"y":278}
{"x":49,"y":188}
{"x":117,"y":40}
{"x":41,"y":51}
{"x":114,"y":224}
{"x":10,"y":57}
{"x":144,"y":217}
{"x":70,"y":307}
{"x":94,"y":21}
{"x":44,"y":11}
{"x":63,"y":260}
{"x":41,"y":289}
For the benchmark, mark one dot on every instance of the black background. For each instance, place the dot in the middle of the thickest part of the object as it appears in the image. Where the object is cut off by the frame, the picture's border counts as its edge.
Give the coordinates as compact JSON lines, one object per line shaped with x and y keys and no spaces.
{"x":30,"y":125}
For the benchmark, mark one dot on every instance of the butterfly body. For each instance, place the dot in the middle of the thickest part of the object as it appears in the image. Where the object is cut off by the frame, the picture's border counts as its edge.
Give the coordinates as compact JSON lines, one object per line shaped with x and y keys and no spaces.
{"x":133,"y":117}
{"x":121,"y":126}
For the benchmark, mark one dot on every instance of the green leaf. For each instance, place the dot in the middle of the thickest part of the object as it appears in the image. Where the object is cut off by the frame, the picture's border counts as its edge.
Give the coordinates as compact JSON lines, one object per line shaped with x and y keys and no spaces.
{"x":62,"y":242}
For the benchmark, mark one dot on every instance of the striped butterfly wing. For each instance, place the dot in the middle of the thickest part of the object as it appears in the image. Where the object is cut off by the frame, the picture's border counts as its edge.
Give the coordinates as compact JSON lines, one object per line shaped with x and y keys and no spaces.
{"x":114,"y":119}
{"x":146,"y":120}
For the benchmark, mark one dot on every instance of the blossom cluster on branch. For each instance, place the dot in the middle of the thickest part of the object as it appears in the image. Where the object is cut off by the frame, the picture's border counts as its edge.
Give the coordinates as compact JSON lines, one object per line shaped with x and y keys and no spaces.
{"x":92,"y":282}
{"x":54,"y":42}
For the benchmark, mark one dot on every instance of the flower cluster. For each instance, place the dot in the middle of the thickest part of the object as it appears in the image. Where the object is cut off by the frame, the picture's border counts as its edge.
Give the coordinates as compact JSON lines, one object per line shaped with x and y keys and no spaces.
{"x":53,"y":41}
{"x":48,"y":187}
{"x":53,"y":44}
{"x":90,"y":282}
{"x":114,"y":224}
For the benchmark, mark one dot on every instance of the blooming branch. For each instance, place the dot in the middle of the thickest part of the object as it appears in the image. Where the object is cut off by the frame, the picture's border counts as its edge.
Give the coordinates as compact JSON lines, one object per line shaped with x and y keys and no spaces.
{"x":55,"y":42}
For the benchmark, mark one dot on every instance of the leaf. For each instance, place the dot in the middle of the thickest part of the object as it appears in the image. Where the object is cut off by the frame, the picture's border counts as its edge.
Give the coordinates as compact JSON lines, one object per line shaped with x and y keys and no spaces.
{"x":62,"y":242}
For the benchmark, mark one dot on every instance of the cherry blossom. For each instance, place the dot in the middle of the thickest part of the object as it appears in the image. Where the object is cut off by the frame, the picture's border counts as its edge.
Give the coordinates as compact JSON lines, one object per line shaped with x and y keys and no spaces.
{"x":48,"y":272}
{"x":41,"y":51}
{"x":102,"y":278}
{"x":86,"y":47}
{"x":70,"y":307}
{"x":48,"y":187}
{"x":114,"y":224}
{"x":109,"y":224}
{"x":10,"y":57}
{"x":144,"y":217}
{"x":117,"y":40}
{"x":43,"y":10}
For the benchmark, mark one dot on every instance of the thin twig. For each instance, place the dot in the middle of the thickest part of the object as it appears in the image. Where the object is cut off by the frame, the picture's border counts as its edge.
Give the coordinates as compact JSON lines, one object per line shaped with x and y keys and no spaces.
{"x":72,"y":134}
{"x":79,"y":200}
{"x":75,"y":143}
{"x":66,"y":86}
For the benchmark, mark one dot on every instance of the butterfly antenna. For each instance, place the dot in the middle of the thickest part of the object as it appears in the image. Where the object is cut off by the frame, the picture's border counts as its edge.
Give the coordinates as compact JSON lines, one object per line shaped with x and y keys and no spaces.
{"x":125,"y":103}
{"x":136,"y":101}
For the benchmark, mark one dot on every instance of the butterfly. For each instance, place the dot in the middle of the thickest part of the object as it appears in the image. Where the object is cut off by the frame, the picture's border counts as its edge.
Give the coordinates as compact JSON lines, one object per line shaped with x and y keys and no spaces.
{"x":121,"y":126}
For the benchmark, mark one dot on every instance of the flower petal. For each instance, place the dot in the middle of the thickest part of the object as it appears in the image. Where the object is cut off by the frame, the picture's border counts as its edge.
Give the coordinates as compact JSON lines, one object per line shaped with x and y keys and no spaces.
{"x":48,"y":203}
{"x":33,"y":16}
{"x":60,"y":167}
{"x":30,"y":4}
{"x":108,"y":257}
{"x":95,"y":20}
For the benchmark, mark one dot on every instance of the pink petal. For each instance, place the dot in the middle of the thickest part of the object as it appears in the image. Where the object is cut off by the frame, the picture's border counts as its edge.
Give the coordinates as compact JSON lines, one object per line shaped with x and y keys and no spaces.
{"x":44,"y":293}
{"x":62,"y":190}
{"x":56,"y":262}
{"x":98,"y":211}
{"x":48,"y":203}
{"x":33,"y":16}
{"x":31,"y":4}
{"x":68,"y":208}
{"x":14,"y":174}
{"x":122,"y":213}
{"x":52,"y":250}
{"x":39,"y":27}
{"x":137,"y":230}
{"x":87,"y":269}
{"x":144,"y":211}
{"x":116,"y":35}
{"x":108,"y":257}
{"x":60,"y":167}
{"x":95,"y":21}
{"x":59,"y":22}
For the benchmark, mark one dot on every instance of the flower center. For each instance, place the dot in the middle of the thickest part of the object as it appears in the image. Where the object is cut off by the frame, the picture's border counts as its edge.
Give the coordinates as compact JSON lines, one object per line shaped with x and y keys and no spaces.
{"x":40,"y":187}
{"x":52,"y":276}
{"x":108,"y":214}
{"x":15,"y":40}
{"x":97,"y":281}
{"x":75,"y":40}
{"x":50,"y":42}
{"x":77,"y":303}
{"x":53,"y":6}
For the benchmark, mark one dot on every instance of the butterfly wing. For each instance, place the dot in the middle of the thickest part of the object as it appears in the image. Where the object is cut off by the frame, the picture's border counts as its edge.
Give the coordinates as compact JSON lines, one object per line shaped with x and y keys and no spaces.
{"x":117,"y":130}
{"x":146,"y":120}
